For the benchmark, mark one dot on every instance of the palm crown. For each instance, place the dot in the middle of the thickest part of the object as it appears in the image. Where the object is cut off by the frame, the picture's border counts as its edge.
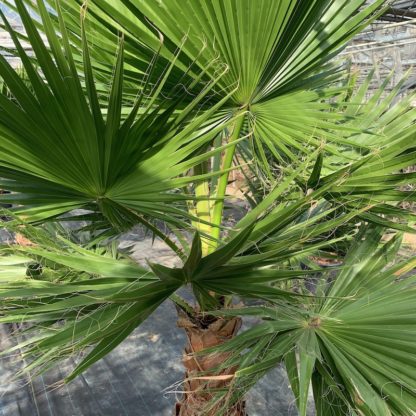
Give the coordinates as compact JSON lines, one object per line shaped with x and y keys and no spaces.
{"x":136,"y":112}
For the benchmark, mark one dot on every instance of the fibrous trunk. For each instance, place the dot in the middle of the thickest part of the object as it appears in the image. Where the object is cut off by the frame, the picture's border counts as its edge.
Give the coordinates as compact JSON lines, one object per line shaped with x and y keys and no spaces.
{"x":199,"y":391}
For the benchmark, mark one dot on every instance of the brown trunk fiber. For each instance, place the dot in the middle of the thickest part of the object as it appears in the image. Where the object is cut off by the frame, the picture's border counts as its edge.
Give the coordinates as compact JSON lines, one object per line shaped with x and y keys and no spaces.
{"x":204,"y":333}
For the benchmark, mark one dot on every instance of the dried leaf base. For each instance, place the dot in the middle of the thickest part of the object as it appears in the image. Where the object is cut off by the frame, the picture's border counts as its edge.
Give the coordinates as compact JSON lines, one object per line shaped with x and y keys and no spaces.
{"x":199,"y":392}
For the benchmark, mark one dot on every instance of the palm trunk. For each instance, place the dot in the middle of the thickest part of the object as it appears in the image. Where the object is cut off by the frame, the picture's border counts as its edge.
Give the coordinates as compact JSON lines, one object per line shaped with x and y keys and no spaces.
{"x":204,"y":333}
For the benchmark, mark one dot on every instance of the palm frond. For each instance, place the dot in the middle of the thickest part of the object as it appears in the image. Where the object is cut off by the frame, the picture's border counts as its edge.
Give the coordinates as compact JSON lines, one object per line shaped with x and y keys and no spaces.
{"x":86,"y":298}
{"x":60,"y":152}
{"x":282,"y":66}
{"x":353,"y":339}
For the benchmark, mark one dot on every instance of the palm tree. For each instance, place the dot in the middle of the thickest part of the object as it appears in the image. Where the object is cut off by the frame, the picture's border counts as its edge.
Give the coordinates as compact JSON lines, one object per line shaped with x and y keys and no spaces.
{"x":196,"y":91}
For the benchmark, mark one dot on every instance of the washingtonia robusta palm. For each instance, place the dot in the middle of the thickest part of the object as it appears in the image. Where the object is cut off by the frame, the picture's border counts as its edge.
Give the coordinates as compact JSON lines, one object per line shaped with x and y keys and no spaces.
{"x":135,"y":112}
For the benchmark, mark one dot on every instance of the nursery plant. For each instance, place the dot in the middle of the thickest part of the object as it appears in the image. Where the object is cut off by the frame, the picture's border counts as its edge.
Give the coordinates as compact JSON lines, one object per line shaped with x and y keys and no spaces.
{"x":137,"y":113}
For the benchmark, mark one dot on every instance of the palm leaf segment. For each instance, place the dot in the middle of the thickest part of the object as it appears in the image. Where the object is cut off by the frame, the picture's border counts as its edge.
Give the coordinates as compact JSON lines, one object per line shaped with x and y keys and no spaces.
{"x":278,"y":53}
{"x":353,"y":340}
{"x":270,"y":47}
{"x":58,"y":152}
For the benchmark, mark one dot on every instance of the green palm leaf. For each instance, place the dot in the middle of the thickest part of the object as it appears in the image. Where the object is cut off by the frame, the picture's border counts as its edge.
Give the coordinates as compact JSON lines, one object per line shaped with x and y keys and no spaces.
{"x":292,"y":42}
{"x":86,"y":298}
{"x":354,"y":340}
{"x":277,"y":53}
{"x":59,"y":152}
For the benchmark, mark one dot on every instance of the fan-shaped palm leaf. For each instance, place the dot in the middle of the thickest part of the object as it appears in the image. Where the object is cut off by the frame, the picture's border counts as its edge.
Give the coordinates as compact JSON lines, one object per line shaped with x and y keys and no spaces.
{"x":59,"y":152}
{"x":353,"y":339}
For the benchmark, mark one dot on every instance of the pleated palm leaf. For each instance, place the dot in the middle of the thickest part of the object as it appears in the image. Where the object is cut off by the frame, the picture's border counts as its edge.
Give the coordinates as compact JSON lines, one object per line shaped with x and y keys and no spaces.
{"x":59,"y":152}
{"x":270,"y":47}
{"x":352,"y":338}
{"x":377,"y":119}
